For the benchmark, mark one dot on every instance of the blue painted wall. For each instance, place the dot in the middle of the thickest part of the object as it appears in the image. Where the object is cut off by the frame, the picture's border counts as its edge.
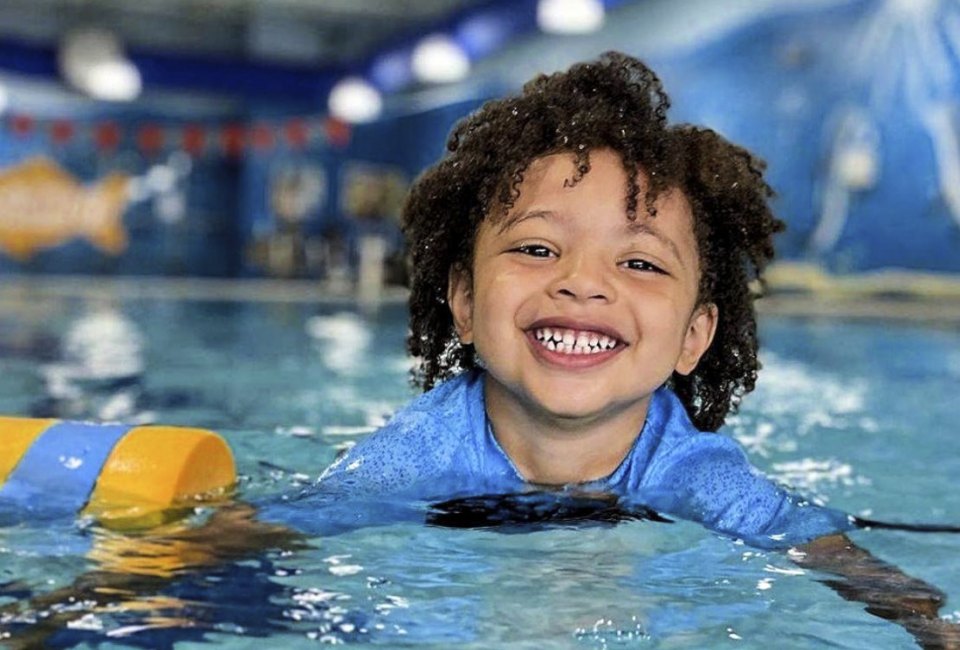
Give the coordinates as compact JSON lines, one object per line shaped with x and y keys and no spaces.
{"x":216,"y":214}
{"x":855,"y":104}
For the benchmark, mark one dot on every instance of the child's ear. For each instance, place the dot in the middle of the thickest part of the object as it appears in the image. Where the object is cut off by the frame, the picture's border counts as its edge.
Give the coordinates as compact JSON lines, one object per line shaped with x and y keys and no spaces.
{"x":460,"y":300}
{"x":699,"y":336}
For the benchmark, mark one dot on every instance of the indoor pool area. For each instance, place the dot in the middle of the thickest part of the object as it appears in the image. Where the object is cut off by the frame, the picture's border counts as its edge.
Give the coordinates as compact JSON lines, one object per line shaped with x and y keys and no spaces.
{"x":480,"y":324}
{"x":856,"y":414}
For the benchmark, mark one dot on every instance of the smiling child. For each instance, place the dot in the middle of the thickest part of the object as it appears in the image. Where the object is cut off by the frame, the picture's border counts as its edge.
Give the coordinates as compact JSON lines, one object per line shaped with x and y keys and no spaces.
{"x":582,"y":312}
{"x":582,"y":315}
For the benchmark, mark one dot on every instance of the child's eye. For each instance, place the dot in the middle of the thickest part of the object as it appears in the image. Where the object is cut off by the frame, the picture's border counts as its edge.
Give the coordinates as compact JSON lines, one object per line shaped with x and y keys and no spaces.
{"x":643,"y":265}
{"x":534,"y":250}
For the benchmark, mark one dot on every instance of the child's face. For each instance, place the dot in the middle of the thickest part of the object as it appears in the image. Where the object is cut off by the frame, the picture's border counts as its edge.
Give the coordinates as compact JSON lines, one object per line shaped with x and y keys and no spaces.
{"x":567,"y":264}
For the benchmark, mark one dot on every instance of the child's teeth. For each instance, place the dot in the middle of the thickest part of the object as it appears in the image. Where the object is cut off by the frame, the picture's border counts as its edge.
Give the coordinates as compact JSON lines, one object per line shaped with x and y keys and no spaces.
{"x":573,"y":342}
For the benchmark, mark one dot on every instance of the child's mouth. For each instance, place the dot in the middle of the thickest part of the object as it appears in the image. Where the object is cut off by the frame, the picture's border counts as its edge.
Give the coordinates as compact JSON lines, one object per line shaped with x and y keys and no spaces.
{"x":574,"y":342}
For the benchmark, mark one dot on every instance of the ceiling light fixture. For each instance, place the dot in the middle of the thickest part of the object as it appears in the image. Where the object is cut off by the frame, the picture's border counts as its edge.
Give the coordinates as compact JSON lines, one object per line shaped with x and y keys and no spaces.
{"x":438,"y":59}
{"x":93,"y":62}
{"x":117,"y":81}
{"x":570,"y":16}
{"x":355,"y":100}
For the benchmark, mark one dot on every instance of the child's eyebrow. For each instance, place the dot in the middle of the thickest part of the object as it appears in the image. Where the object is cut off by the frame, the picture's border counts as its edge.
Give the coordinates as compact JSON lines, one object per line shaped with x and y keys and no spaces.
{"x":519,"y":217}
{"x":643,"y":228}
{"x":632,"y":227}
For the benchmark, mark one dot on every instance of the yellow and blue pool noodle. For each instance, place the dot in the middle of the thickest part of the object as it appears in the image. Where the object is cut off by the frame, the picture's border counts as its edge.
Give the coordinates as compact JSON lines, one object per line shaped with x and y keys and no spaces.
{"x":120,"y":473}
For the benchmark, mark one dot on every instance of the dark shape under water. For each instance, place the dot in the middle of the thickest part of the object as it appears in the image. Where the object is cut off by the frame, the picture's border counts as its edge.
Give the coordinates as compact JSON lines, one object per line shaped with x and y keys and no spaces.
{"x":536,"y":509}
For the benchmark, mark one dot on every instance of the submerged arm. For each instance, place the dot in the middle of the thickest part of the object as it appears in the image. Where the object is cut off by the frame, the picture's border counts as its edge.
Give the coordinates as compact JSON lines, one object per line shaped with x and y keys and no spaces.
{"x":886,"y":591}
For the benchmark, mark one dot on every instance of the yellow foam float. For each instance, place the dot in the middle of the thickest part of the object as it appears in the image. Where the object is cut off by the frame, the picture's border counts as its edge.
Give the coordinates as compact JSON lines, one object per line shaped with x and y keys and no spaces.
{"x":125,"y":476}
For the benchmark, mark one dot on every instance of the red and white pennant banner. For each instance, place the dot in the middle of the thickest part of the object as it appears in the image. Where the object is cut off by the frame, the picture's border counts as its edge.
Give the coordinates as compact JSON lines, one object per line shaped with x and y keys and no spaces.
{"x":231,"y":139}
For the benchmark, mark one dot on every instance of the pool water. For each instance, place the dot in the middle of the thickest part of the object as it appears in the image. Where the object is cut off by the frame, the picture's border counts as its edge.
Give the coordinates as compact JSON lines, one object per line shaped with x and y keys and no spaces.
{"x":860,"y":416}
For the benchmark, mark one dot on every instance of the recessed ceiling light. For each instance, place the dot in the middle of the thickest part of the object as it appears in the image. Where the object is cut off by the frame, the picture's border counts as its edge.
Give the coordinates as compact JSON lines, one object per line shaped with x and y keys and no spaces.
{"x":355,"y":100}
{"x":92,"y":61}
{"x":570,"y":16}
{"x":438,"y":59}
{"x":117,"y":81}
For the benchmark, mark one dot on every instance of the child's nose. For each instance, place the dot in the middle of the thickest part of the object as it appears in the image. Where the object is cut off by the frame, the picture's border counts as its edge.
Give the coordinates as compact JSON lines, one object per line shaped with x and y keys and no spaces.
{"x":581,"y":279}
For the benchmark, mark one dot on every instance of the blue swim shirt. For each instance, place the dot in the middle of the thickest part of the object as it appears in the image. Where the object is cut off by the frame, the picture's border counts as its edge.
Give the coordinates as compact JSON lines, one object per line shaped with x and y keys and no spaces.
{"x":441,"y":447}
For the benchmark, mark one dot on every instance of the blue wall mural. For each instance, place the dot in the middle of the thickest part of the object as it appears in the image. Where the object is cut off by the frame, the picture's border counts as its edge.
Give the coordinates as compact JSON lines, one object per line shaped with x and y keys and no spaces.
{"x":855,"y":104}
{"x":857,"y":110}
{"x":74,"y":209}
{"x":281,"y":197}
{"x":305,"y":213}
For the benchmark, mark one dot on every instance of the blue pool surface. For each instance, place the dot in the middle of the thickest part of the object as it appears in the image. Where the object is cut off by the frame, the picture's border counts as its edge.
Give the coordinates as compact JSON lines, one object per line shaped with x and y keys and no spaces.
{"x":861,"y":416}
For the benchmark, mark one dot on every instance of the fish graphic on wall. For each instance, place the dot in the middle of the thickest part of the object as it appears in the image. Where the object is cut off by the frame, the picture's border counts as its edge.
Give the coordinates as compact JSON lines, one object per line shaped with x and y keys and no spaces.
{"x":43,"y":206}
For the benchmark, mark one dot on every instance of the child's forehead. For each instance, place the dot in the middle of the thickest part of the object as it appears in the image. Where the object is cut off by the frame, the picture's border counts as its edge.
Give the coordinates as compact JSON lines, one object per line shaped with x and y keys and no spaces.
{"x":561,"y":163}
{"x":548,"y":180}
{"x":568,"y":170}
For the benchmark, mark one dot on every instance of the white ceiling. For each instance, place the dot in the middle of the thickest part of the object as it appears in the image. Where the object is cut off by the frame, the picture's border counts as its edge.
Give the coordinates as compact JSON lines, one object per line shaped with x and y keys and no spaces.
{"x":308,"y":32}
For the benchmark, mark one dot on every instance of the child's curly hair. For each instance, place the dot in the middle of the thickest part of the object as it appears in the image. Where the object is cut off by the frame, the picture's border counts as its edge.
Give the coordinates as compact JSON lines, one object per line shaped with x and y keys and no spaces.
{"x":615,"y":103}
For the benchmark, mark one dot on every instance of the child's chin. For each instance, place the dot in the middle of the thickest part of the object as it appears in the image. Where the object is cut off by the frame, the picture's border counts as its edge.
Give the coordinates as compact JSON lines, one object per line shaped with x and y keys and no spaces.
{"x":571,"y":407}
{"x":572,"y":410}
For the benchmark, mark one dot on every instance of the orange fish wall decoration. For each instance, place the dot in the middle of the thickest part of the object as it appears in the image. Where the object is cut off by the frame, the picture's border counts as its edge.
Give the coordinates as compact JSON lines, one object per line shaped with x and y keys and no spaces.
{"x":43,"y":206}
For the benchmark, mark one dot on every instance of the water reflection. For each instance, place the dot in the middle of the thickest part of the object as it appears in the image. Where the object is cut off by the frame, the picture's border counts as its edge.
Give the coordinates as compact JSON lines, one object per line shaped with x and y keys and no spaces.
{"x":343,"y":341}
{"x":99,"y":372}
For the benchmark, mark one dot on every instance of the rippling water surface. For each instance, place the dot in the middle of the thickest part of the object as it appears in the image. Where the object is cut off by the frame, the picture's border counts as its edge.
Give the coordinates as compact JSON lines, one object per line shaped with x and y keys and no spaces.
{"x":860,"y":416}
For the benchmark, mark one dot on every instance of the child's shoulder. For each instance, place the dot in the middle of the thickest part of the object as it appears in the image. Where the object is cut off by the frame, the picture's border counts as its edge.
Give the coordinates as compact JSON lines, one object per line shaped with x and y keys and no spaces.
{"x":443,"y":413}
{"x":416,"y":445}
{"x":679,"y":442}
{"x":451,"y":400}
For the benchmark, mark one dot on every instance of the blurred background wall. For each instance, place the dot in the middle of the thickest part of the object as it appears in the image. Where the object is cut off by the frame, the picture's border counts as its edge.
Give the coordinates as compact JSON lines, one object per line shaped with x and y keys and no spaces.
{"x":251,"y":138}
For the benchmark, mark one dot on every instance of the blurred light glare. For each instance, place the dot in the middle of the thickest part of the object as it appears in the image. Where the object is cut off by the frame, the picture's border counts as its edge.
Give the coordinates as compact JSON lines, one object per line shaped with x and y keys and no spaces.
{"x":355,"y":100}
{"x":438,"y":59}
{"x":4,"y":99}
{"x":115,"y":81}
{"x":161,"y":179}
{"x":92,"y":61}
{"x":570,"y":16}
